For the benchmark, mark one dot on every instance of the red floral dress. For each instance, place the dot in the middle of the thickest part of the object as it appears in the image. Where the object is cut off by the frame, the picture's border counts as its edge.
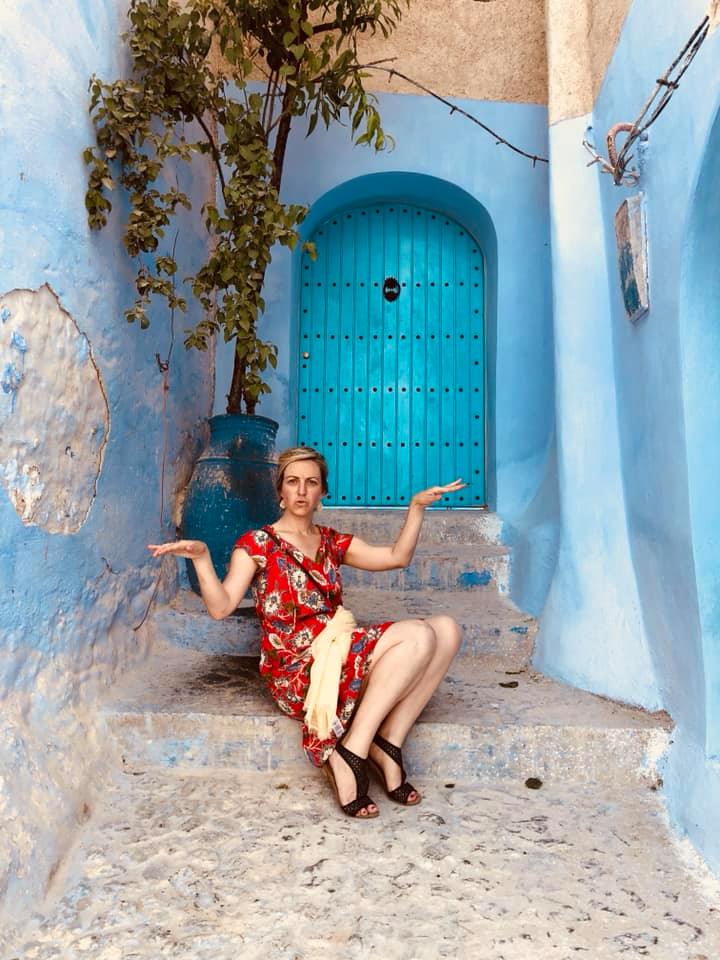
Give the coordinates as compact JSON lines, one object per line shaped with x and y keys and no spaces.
{"x":295,"y":597}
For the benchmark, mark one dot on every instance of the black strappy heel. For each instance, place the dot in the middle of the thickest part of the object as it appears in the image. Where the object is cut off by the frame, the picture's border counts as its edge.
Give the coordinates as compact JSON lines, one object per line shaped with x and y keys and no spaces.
{"x":358,"y":765}
{"x":402,"y":793}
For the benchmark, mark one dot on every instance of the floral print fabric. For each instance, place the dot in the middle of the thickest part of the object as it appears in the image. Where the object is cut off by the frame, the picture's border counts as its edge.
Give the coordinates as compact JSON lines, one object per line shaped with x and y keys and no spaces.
{"x":295,"y":597}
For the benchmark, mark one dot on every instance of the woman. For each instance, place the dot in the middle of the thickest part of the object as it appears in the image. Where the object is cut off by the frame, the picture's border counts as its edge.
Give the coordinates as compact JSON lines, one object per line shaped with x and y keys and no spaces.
{"x":388,"y":671}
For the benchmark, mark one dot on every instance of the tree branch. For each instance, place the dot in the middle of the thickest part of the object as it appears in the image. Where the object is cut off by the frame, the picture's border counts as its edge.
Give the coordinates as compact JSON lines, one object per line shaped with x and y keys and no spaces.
{"x":208,"y":135}
{"x":326,"y":27}
{"x":281,"y":139}
{"x":215,"y":152}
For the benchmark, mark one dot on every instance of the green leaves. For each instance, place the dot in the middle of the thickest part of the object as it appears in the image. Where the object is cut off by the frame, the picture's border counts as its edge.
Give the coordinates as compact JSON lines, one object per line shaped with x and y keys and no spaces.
{"x":178,"y":103}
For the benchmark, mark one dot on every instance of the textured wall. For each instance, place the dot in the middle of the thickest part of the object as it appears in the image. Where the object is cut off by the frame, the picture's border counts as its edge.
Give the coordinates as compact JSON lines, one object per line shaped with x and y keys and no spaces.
{"x":461,"y":48}
{"x":81,"y":436}
{"x":581,"y":38}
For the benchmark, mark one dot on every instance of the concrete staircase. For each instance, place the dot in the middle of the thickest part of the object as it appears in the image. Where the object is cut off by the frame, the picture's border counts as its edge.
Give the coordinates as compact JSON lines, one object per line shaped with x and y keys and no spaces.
{"x":541,"y":833}
{"x":199,"y":703}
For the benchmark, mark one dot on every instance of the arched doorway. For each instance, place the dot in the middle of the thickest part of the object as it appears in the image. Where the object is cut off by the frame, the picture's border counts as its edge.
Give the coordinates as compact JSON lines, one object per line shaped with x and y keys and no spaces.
{"x":391,"y":352}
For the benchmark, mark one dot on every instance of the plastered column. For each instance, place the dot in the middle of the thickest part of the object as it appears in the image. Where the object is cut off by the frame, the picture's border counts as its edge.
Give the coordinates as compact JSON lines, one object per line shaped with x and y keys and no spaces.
{"x":592,"y":633}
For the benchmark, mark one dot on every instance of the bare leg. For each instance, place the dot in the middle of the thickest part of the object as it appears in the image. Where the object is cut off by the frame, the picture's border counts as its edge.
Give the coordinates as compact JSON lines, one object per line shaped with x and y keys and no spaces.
{"x":402,"y":657}
{"x":399,"y":721}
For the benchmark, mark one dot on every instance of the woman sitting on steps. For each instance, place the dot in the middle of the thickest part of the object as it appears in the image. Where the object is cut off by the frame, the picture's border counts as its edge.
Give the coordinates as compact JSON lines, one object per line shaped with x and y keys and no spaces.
{"x":320,"y":666}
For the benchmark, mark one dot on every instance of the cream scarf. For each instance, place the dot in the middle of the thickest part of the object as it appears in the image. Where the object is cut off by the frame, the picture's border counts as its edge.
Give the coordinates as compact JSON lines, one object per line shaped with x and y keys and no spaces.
{"x":329,"y":650}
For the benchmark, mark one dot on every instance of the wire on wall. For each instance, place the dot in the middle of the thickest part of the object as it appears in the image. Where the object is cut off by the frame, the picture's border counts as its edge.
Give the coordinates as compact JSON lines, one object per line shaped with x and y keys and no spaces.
{"x":454,"y":108}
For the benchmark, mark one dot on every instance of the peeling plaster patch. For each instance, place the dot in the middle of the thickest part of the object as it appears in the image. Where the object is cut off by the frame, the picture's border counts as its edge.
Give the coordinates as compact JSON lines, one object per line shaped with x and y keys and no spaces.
{"x":18,"y":341}
{"x":25,"y":488}
{"x":473,"y":578}
{"x":14,"y":369}
{"x":12,"y":377}
{"x":52,"y":401}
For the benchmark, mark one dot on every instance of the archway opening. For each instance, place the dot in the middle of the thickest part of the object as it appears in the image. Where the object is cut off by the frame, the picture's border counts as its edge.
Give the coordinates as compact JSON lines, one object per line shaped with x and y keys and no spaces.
{"x":395,"y":339}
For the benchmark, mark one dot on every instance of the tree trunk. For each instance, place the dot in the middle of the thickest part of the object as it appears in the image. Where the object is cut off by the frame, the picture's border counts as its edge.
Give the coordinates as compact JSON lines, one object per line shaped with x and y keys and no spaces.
{"x":236,"y":396}
{"x":281,"y":141}
{"x":237,"y":388}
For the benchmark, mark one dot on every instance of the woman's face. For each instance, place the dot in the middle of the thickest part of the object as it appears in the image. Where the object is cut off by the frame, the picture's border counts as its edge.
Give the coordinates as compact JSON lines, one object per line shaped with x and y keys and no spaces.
{"x":301,"y":487}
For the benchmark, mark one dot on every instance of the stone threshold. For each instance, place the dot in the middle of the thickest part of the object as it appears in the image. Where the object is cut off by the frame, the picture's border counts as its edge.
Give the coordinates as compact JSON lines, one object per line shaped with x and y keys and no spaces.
{"x":493,"y":718}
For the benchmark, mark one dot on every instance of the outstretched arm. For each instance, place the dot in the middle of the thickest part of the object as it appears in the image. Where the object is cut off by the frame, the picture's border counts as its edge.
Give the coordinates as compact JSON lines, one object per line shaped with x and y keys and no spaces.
{"x":221,"y":598}
{"x":367,"y":557}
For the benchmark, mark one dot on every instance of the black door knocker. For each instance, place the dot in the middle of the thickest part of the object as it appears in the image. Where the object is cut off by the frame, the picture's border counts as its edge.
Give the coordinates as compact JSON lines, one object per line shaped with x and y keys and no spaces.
{"x":391,"y":289}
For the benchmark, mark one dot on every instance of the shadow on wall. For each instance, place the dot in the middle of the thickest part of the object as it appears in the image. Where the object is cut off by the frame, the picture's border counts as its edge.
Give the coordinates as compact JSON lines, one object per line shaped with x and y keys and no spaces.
{"x":534,"y":539}
{"x":700,"y":357}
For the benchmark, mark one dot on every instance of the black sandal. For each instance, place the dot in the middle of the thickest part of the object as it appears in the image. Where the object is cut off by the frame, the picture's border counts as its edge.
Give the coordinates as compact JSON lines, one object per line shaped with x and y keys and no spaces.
{"x":402,"y":793}
{"x":358,"y":765}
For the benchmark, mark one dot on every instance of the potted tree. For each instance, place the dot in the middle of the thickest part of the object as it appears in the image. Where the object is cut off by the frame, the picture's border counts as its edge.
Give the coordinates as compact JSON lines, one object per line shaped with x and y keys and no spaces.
{"x":226,"y":79}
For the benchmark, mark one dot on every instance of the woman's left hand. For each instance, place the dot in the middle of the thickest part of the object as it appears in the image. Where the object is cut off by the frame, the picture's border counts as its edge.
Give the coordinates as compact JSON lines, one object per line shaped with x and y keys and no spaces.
{"x":425,"y":498}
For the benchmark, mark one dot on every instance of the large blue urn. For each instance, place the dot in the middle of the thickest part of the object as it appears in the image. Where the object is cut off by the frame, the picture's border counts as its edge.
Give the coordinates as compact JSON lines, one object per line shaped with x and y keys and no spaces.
{"x":232,"y":488}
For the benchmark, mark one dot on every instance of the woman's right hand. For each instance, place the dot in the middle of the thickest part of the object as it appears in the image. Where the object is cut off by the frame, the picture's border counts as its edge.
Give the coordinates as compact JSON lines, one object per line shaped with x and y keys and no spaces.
{"x":188,"y":549}
{"x":221,"y":598}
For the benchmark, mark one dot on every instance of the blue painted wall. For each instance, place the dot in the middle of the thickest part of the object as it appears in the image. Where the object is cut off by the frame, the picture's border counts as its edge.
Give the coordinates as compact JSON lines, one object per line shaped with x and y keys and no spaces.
{"x":624,"y":499}
{"x":446,"y":161}
{"x":68,"y":603}
{"x":591,"y":629}
{"x":633,"y":610}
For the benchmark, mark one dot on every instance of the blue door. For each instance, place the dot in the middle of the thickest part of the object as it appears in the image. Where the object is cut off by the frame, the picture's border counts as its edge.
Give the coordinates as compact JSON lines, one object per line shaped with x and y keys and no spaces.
{"x":392,"y":355}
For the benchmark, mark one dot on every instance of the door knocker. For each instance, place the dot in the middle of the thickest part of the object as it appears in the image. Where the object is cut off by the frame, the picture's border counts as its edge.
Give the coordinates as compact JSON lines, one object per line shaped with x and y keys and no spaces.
{"x":391,"y":289}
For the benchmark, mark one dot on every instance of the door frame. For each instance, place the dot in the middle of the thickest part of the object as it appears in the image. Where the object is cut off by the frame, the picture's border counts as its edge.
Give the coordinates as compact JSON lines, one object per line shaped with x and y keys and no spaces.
{"x":445,"y":198}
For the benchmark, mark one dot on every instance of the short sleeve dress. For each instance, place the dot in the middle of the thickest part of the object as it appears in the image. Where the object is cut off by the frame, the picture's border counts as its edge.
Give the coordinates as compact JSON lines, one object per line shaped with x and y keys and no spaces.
{"x":295,"y":597}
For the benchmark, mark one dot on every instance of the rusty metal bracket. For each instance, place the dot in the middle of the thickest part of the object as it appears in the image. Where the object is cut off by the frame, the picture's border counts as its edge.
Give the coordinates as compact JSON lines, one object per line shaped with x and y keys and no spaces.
{"x":617,"y":161}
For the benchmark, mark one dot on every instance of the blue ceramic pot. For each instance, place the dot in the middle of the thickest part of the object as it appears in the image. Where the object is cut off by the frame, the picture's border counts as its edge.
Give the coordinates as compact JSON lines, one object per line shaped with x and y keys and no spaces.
{"x":232,"y":488}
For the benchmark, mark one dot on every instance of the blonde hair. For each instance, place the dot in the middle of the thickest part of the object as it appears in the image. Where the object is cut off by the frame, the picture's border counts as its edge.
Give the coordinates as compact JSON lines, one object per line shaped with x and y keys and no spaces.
{"x":292,"y":455}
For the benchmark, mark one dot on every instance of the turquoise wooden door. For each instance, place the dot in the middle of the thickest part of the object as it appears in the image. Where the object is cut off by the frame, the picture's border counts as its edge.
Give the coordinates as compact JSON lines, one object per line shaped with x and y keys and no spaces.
{"x":392,"y":355}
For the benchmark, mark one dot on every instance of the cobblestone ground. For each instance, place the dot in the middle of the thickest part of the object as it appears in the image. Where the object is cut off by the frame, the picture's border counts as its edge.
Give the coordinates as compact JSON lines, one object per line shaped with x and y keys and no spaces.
{"x":252,"y":867}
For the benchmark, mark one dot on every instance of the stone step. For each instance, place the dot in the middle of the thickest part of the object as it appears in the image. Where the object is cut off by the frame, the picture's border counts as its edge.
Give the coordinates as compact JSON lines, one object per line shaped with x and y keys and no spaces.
{"x":194,"y":711}
{"x":490,"y":623}
{"x":441,"y":567}
{"x":469,"y":526}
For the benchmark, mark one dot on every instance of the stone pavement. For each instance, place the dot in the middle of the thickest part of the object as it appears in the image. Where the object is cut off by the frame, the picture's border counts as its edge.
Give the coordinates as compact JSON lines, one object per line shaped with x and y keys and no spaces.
{"x":542,"y":832}
{"x":241,"y":866}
